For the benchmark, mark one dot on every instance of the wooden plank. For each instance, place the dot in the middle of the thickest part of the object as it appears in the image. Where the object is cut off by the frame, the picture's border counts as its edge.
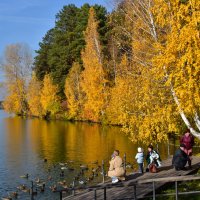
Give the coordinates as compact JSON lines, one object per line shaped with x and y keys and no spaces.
{"x":144,"y":186}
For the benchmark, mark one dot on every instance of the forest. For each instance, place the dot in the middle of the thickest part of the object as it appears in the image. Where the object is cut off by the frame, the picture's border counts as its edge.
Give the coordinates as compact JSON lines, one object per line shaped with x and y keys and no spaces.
{"x":137,"y":67}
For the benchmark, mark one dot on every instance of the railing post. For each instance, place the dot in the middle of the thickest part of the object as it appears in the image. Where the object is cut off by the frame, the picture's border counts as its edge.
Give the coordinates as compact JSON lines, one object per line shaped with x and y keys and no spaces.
{"x":95,"y":194}
{"x":73,"y":188}
{"x":31,"y":191}
{"x":157,"y":148}
{"x":103,"y":173}
{"x":125,"y":163}
{"x":168,"y":151}
{"x":176,"y":188}
{"x":60,"y":195}
{"x":135,"y":194}
{"x":104,"y":193}
{"x":154,"y":191}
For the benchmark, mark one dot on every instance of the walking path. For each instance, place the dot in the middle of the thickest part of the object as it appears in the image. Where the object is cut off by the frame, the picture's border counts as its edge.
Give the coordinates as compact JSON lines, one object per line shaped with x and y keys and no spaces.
{"x":125,"y":189}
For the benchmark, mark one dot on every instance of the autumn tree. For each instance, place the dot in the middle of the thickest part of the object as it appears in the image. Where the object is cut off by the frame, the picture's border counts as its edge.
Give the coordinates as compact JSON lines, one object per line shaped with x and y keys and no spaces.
{"x":121,"y":94}
{"x":73,"y":91}
{"x":49,"y":100}
{"x":161,"y":53}
{"x":17,"y":68}
{"x":34,"y":97}
{"x":179,"y":61}
{"x":93,"y":77}
{"x":62,"y":45}
{"x":144,"y":117}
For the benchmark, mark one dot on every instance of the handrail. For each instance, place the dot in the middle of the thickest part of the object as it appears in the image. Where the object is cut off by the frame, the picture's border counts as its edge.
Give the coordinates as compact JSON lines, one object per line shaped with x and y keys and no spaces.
{"x":175,"y":179}
{"x":170,"y":179}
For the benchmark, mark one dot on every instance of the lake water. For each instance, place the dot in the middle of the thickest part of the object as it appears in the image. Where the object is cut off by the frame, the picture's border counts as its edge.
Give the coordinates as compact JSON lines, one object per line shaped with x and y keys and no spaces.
{"x":25,"y":143}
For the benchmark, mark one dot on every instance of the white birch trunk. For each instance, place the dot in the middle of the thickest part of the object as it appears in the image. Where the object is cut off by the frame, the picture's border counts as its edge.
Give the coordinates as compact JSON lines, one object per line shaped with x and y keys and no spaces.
{"x":183,"y":116}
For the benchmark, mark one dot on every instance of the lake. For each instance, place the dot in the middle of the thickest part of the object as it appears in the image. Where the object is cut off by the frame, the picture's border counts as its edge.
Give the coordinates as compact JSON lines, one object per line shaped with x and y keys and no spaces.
{"x":25,"y":143}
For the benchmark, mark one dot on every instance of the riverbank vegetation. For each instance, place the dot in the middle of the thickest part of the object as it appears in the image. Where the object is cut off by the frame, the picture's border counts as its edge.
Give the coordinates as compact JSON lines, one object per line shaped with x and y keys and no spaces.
{"x":137,"y":67}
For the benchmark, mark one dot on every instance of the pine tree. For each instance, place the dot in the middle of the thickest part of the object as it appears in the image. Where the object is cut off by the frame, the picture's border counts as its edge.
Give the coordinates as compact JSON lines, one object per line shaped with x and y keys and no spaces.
{"x":62,"y":45}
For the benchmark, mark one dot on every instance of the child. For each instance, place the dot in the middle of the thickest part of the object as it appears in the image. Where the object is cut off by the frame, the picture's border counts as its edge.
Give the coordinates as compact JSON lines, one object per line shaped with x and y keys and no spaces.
{"x":140,"y":159}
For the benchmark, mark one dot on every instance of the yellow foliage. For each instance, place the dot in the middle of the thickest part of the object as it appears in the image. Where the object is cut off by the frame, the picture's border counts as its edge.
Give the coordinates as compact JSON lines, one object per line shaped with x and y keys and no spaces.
{"x":34,"y":97}
{"x":92,"y":77}
{"x":49,"y":99}
{"x":179,"y":54}
{"x":16,"y":101}
{"x":73,"y":90}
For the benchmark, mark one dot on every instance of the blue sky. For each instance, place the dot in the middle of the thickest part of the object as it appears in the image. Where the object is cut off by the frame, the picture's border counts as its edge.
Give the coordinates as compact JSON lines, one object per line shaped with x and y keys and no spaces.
{"x":28,"y":20}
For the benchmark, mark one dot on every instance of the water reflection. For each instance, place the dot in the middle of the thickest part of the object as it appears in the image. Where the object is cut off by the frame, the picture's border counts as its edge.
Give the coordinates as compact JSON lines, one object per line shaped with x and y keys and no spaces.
{"x":24,"y":143}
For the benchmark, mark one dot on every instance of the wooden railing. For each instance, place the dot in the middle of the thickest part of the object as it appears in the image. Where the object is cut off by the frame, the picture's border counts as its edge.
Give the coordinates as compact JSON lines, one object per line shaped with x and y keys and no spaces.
{"x":134,"y":184}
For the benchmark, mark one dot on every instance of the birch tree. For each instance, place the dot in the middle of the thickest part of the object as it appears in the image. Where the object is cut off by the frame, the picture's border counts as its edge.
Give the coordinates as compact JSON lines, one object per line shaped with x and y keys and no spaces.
{"x":165,"y":48}
{"x":73,"y":91}
{"x":17,"y":69}
{"x":93,"y":76}
{"x":179,"y":57}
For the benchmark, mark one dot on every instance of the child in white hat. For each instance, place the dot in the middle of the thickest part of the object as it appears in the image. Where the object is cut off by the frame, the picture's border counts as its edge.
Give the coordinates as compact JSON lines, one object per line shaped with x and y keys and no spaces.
{"x":140,"y":159}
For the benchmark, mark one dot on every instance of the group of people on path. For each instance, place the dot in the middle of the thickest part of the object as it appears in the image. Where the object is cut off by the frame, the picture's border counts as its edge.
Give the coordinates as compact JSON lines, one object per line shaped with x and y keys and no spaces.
{"x":117,"y":171}
{"x":180,"y":159}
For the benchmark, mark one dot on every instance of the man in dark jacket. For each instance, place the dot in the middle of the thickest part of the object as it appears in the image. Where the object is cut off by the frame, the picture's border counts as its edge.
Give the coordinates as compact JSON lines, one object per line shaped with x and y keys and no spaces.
{"x":180,"y":158}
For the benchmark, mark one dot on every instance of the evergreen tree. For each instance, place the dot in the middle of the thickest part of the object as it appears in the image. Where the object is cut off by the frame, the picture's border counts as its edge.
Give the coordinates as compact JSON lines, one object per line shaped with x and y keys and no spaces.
{"x":62,"y":45}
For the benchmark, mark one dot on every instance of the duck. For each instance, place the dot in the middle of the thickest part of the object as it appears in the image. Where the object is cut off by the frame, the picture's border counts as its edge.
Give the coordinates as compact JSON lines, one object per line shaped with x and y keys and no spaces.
{"x":62,"y":182}
{"x":96,"y":169}
{"x":81,"y":173}
{"x":53,"y":188}
{"x":62,"y":174}
{"x":34,"y":192}
{"x":21,"y":187}
{"x":38,"y":180}
{"x":24,"y":176}
{"x":95,"y":174}
{"x":6,"y":198}
{"x":62,"y":164}
{"x":41,"y":184}
{"x":14,"y":194}
{"x":84,"y":167}
{"x":42,"y":187}
{"x":26,"y":190}
{"x":76,"y":178}
{"x":63,"y":168}
{"x":129,"y":166}
{"x":90,"y":178}
{"x":82,"y":182}
{"x":95,"y":162}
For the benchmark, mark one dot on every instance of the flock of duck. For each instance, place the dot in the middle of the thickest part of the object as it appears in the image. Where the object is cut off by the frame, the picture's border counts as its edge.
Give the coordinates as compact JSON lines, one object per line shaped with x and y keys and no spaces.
{"x":83,"y":174}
